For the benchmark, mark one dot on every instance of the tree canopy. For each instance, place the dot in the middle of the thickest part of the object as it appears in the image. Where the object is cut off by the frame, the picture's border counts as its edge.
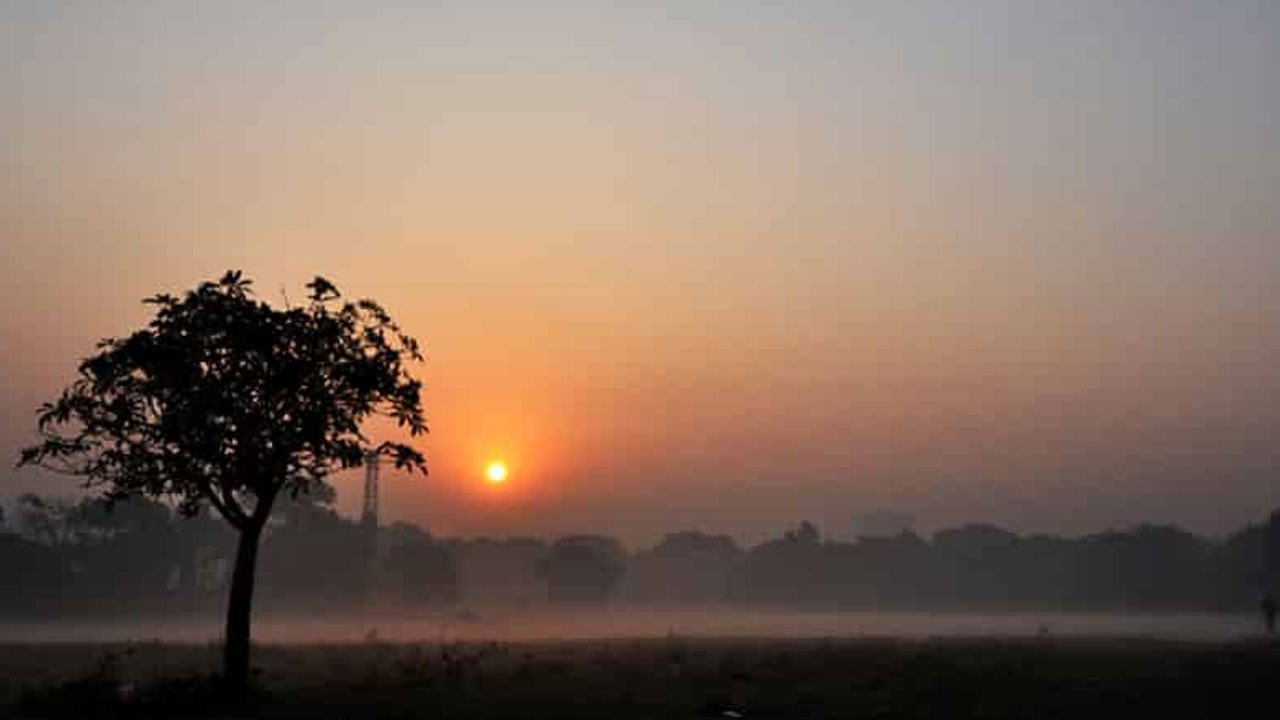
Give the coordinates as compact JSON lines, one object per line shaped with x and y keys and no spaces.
{"x":225,"y":400}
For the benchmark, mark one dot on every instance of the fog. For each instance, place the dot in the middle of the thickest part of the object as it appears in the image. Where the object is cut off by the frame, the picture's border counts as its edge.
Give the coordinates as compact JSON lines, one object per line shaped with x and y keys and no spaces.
{"x":137,"y":571}
{"x":655,"y":623}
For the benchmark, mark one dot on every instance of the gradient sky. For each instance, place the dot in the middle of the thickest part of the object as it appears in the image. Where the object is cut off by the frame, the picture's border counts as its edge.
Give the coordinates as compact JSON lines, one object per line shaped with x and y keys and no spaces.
{"x":692,"y":264}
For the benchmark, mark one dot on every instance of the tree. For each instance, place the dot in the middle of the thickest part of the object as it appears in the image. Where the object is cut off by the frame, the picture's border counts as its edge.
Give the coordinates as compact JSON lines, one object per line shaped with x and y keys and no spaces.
{"x":417,"y":569}
{"x":687,"y":566}
{"x":52,"y":521}
{"x":1271,"y":554}
{"x":299,"y":533}
{"x":583,"y":569}
{"x":806,"y":534}
{"x":223,"y":400}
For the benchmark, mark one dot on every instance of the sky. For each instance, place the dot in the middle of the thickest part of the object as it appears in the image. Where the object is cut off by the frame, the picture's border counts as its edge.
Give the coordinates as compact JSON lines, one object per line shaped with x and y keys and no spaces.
{"x":715,"y":265}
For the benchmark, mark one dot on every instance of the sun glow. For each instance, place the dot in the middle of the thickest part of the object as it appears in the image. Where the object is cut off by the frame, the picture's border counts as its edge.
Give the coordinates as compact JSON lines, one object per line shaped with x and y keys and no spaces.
{"x":496,"y":472}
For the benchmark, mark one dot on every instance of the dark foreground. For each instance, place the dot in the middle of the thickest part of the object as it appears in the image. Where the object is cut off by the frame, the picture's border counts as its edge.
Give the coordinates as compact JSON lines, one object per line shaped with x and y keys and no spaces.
{"x":662,"y":678}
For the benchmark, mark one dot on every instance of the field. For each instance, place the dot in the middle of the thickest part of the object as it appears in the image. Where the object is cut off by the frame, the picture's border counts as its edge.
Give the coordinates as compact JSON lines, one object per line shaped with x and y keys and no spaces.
{"x":672,"y":677}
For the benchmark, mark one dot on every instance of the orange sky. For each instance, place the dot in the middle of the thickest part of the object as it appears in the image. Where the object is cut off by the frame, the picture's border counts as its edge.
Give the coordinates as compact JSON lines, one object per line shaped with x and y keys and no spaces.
{"x":722,"y":266}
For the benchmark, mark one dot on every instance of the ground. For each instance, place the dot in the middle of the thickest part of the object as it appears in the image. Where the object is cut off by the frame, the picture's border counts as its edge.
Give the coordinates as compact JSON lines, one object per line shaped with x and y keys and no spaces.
{"x":671,"y":677}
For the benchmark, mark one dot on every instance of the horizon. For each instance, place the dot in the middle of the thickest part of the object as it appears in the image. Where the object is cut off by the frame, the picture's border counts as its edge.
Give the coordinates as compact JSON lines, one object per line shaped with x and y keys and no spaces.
{"x":878,"y":529}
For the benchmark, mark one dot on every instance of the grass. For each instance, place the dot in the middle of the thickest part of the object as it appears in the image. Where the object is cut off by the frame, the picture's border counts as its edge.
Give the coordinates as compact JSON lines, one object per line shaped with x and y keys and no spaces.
{"x":654,"y":678}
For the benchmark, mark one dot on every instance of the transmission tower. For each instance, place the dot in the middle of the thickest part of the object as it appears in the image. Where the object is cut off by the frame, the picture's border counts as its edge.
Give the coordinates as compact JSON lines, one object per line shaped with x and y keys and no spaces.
{"x":369,"y":524}
{"x":369,"y":516}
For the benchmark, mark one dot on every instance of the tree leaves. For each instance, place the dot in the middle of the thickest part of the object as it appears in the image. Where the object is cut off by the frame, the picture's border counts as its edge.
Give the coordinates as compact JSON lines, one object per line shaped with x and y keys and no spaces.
{"x":224,"y":400}
{"x":322,"y":290}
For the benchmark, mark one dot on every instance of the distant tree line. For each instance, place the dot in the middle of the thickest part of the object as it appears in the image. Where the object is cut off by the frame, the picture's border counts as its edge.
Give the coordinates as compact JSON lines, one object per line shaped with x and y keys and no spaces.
{"x":61,"y":558}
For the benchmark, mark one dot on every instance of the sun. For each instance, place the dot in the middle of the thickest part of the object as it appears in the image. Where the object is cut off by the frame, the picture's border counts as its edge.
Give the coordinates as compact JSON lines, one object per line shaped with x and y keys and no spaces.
{"x":496,"y":472}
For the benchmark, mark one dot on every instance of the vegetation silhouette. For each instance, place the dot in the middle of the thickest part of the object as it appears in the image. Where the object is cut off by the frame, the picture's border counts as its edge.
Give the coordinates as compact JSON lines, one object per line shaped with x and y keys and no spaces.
{"x":79,"y":561}
{"x":582,"y":569}
{"x":225,"y":401}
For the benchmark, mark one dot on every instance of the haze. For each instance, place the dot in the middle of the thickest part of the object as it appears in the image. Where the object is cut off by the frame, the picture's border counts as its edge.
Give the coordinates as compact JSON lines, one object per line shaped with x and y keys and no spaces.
{"x":715,"y":265}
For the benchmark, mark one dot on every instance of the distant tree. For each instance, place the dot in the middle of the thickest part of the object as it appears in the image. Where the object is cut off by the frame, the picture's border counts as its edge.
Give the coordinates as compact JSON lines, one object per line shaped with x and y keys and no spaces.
{"x":1271,"y":561}
{"x":583,"y":569}
{"x":138,"y":516}
{"x":806,"y":533}
{"x":226,"y":401}
{"x":296,"y":536}
{"x":795,"y":568}
{"x":32,"y":575}
{"x":52,"y":521}
{"x":506,"y":571}
{"x":1148,"y":566}
{"x":419,"y":570}
{"x":687,"y":566}
{"x":981,"y":565}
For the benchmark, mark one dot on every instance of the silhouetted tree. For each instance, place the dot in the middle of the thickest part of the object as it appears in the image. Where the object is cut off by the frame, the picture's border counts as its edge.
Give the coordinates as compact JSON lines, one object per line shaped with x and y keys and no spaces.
{"x":225,"y":400}
{"x":583,"y":568}
{"x":31,"y":573}
{"x":806,"y":534}
{"x":1147,"y":566}
{"x":125,"y":551}
{"x":137,"y":557}
{"x":1271,"y":560}
{"x":502,"y":571}
{"x":792,"y":569}
{"x":686,"y":566}
{"x":419,"y":570}
{"x":297,"y":534}
{"x":53,"y":521}
{"x":979,"y":564}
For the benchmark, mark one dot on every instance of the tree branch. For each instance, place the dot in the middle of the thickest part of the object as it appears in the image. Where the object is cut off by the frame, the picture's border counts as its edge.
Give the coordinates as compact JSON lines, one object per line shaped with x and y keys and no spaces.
{"x":229,"y":511}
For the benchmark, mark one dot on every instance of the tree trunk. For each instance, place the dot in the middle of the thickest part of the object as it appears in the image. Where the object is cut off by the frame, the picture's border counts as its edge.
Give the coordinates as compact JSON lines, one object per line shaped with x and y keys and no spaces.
{"x":235,"y":652}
